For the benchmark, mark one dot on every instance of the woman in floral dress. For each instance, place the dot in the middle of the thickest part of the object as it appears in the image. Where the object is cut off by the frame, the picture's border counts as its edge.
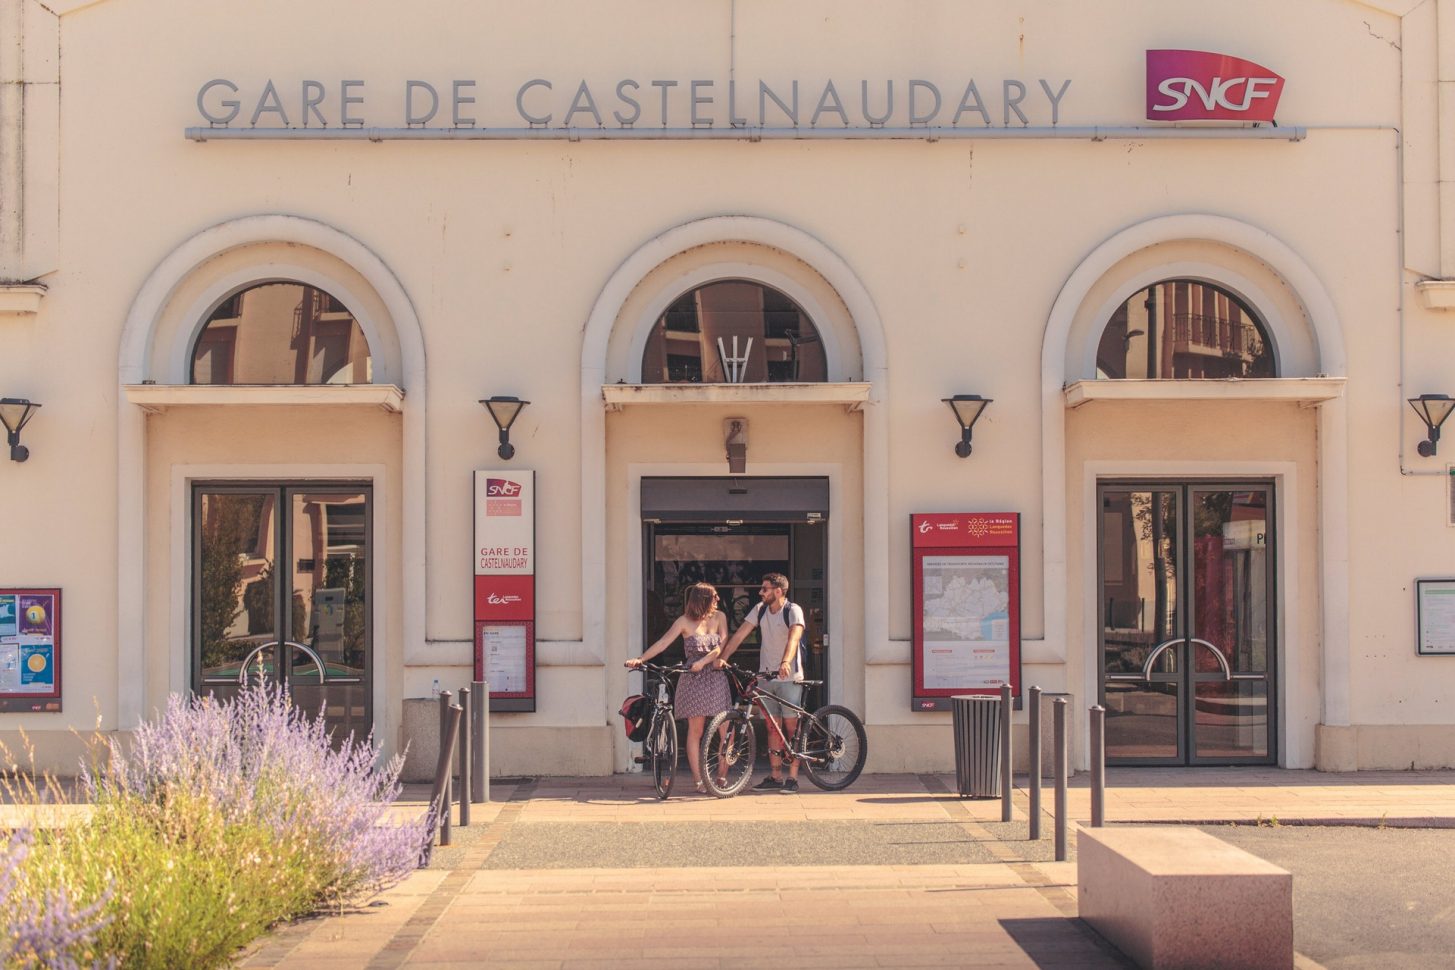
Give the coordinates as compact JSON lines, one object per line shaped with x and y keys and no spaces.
{"x":702,"y":691}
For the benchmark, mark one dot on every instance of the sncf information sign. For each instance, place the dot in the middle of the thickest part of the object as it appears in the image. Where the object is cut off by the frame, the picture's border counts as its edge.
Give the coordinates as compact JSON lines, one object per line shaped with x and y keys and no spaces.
{"x":1203,"y":86}
{"x":505,"y":586}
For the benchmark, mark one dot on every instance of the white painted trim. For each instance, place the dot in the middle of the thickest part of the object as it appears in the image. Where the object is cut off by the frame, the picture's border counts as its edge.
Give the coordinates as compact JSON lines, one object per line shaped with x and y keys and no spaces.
{"x":596,"y":339}
{"x":133,"y":366}
{"x":833,"y":344}
{"x":632,"y":524}
{"x":1295,"y":744}
{"x":1333,"y":423}
{"x":178,"y":634}
{"x":21,"y":299}
{"x":159,"y":398}
{"x":618,"y":396}
{"x":1437,"y":294}
{"x":1306,"y":390}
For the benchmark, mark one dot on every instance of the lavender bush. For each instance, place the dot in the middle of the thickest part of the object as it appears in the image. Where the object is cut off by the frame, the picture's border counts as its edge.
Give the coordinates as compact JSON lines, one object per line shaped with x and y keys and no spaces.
{"x":48,"y":932}
{"x":219,"y":819}
{"x":261,"y":762}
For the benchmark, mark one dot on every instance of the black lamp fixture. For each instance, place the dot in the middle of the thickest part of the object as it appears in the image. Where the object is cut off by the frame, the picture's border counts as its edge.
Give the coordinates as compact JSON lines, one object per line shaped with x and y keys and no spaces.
{"x":967,"y":408}
{"x":15,"y":412}
{"x":504,"y":410}
{"x":1433,"y":409}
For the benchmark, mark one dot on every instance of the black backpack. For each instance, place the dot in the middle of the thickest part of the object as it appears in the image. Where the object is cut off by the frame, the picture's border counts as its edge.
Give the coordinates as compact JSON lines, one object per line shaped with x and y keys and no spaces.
{"x":636,"y":717}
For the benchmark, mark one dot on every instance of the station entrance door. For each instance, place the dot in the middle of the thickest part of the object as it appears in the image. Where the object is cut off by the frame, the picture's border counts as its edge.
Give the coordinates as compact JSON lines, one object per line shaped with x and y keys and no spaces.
{"x":729,"y":532}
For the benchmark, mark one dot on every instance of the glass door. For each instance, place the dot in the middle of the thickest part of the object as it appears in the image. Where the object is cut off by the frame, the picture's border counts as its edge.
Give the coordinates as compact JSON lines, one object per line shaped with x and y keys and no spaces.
{"x":281,"y":591}
{"x":1186,"y":618}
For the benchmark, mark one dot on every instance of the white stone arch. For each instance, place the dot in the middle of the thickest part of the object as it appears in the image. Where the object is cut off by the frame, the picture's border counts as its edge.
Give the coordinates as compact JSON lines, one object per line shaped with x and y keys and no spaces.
{"x":1255,"y":263}
{"x":601,"y":353}
{"x":156,"y":342}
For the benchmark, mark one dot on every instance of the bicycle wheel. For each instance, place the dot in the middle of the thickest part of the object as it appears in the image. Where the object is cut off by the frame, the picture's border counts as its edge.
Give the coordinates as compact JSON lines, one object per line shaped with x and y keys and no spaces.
{"x":728,"y":747}
{"x":663,"y":745}
{"x":834,"y":747}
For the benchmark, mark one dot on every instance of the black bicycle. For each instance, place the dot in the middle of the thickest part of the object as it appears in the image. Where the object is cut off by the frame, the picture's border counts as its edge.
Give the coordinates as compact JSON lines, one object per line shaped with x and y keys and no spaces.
{"x":830,"y":742}
{"x":660,"y":747}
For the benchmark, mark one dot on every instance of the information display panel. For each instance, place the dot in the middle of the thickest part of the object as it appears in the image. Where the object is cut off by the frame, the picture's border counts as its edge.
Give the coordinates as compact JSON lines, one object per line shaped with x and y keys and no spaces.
{"x":1435,"y":617}
{"x":30,"y":650}
{"x":505,"y":587}
{"x":966,"y":606}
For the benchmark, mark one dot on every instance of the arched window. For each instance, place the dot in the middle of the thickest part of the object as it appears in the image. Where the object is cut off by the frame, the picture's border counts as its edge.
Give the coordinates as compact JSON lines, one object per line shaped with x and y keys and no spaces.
{"x":1180,"y":329}
{"x":733,"y":331}
{"x":281,"y":333}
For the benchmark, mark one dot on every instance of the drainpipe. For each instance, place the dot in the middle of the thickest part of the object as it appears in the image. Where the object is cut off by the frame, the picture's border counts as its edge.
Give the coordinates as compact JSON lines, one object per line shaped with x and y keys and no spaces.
{"x":12,"y":141}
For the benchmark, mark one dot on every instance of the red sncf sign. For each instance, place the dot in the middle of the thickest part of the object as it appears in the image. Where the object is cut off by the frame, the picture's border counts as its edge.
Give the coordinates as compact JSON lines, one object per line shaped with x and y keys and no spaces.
{"x":1203,"y":86}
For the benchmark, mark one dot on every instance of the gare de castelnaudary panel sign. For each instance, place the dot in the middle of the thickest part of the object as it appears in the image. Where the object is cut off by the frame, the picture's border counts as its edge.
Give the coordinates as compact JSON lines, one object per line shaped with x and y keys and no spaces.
{"x":1181,"y":86}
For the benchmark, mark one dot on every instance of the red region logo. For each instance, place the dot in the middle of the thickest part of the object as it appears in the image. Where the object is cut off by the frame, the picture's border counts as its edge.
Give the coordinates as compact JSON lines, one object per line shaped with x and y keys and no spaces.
{"x":1204,"y":86}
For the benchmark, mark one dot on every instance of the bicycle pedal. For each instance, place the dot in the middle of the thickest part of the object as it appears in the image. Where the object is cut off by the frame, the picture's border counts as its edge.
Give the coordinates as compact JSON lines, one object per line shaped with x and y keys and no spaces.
{"x":640,"y":759}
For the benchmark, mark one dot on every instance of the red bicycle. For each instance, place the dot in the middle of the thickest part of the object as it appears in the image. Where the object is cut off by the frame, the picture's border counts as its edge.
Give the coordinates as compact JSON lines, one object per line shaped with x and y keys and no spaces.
{"x":830,"y":742}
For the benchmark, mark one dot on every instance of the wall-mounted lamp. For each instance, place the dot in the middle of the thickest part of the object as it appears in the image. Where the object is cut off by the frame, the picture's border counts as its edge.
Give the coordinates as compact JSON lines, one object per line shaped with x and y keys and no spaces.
{"x":967,"y":408}
{"x":1433,"y":409}
{"x":504,"y":410}
{"x":15,"y":412}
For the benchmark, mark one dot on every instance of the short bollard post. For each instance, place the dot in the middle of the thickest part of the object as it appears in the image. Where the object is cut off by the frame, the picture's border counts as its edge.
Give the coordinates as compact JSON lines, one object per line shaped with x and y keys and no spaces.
{"x":1006,"y":786}
{"x":1098,"y":766}
{"x":439,"y":799}
{"x":466,"y":715}
{"x":447,"y":801}
{"x":480,"y":743}
{"x":1033,"y":709}
{"x":1060,"y":756}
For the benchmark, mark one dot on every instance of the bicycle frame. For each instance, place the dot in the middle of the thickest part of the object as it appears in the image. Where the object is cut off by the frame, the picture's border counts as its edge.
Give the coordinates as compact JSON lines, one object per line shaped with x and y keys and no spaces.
{"x":753,"y":697}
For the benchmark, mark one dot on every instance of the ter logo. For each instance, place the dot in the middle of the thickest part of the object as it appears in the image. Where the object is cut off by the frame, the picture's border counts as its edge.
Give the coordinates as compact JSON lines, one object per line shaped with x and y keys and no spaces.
{"x":501,"y":488}
{"x":1203,"y":86}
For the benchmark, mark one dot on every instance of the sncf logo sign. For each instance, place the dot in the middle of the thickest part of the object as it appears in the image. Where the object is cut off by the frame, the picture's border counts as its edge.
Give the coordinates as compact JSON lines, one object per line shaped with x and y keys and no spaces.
{"x":501,"y":488}
{"x":1202,"y":86}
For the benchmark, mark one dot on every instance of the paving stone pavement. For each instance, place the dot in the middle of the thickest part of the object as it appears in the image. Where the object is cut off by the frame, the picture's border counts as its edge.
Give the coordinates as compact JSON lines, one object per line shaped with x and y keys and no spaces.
{"x":658,"y":884}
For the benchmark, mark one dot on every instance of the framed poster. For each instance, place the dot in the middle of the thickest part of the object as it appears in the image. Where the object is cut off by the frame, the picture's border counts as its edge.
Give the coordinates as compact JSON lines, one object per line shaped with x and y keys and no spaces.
{"x":505,"y":587}
{"x":30,"y":650}
{"x":505,"y":651}
{"x":966,"y":606}
{"x":1435,"y":617}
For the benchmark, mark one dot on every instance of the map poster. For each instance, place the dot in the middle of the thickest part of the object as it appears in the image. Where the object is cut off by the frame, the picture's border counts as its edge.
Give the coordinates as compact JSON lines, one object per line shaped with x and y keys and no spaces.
{"x":30,"y":650}
{"x":1435,"y":613}
{"x":966,"y":606}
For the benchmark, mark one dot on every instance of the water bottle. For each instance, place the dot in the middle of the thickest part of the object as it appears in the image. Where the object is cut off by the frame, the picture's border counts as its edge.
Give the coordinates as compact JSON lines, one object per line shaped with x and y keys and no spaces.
{"x":435,"y":690}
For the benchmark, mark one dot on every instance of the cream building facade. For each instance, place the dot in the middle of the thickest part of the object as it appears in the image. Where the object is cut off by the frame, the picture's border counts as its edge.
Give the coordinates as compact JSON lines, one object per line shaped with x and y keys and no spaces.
{"x":1199,"y":337}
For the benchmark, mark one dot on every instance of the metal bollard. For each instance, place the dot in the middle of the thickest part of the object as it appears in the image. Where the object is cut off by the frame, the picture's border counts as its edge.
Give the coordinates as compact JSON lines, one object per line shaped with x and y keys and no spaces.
{"x":466,"y":714}
{"x":439,"y":799}
{"x":1098,"y":766}
{"x":447,"y":705}
{"x":479,"y":743}
{"x":1061,"y":772}
{"x":1033,"y":708}
{"x":1006,"y":780}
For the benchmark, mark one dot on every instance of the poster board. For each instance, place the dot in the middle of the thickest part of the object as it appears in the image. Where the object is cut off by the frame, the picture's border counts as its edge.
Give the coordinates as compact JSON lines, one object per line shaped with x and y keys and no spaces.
{"x":30,"y":650}
{"x":1435,"y":617}
{"x":966,"y":596}
{"x":505,"y":587}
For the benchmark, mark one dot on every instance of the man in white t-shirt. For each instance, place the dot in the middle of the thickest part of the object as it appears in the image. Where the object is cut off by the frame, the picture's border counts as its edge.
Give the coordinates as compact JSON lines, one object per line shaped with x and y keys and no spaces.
{"x":780,"y":628}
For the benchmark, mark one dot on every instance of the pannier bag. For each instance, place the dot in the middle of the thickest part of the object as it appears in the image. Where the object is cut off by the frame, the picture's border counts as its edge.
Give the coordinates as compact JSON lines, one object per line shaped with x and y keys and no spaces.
{"x":636,"y":717}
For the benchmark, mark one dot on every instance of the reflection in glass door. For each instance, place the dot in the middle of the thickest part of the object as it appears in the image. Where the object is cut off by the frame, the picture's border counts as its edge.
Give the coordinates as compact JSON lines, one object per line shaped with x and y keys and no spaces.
{"x":281,"y":591}
{"x":1186,"y":613}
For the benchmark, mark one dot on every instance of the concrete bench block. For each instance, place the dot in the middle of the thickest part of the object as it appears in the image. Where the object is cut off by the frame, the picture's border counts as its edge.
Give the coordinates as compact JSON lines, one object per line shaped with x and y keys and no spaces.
{"x":1174,"y":897}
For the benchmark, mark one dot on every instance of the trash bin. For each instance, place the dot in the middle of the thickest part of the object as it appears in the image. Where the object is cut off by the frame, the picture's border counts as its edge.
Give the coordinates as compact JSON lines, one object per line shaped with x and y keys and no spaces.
{"x":977,"y":745}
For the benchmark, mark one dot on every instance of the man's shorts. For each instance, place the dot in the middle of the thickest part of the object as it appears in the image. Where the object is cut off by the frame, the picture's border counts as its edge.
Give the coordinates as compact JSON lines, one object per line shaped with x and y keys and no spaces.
{"x":784,"y":689}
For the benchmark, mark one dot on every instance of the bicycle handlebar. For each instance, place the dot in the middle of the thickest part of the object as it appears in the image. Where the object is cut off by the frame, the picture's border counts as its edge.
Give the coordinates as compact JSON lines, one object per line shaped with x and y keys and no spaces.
{"x":659,"y":669}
